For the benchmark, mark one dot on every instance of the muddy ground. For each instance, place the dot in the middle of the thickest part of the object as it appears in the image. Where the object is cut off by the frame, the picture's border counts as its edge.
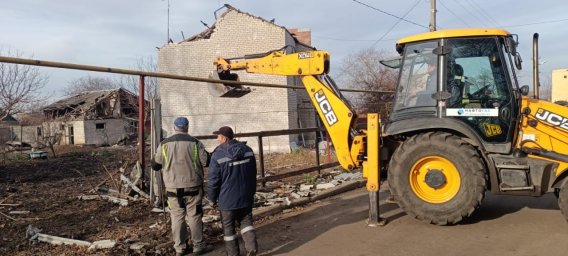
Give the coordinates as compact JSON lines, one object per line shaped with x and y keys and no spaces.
{"x":49,"y":190}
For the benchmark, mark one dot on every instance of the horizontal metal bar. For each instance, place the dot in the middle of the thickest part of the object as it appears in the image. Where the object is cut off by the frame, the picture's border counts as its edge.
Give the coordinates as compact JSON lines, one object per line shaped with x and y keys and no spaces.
{"x":297,"y":172}
{"x":54,"y":64}
{"x":263,"y":133}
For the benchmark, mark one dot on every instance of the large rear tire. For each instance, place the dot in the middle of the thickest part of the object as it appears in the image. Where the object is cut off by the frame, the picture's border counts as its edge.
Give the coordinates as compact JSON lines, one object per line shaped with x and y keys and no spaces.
{"x":437,"y":177}
{"x":563,"y":199}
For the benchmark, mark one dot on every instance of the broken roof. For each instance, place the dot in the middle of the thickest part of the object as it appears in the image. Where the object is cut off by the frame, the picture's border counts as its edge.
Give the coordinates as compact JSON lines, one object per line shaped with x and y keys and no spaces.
{"x":206,"y":34}
{"x":85,"y":102}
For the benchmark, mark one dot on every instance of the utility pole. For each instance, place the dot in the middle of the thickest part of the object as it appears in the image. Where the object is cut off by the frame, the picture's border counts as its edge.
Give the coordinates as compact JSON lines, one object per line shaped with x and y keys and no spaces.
{"x":168,"y":39}
{"x":432,"y":25}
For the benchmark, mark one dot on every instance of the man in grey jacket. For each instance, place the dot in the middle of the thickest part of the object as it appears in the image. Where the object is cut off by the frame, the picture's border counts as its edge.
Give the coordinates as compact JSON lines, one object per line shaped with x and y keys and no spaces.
{"x":181,"y":158}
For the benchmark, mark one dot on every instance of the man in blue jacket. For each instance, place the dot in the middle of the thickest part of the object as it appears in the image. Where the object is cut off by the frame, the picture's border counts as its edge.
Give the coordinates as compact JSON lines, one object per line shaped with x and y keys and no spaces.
{"x":231,"y":186}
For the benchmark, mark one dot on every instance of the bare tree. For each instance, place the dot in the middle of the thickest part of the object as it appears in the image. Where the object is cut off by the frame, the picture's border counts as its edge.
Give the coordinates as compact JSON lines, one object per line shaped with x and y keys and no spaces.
{"x":150,"y":83}
{"x":20,"y":86}
{"x":89,"y":83}
{"x":362,"y":70}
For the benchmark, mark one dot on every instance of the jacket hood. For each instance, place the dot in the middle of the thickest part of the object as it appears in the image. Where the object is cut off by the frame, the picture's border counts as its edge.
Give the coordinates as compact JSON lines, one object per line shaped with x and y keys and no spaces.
{"x":233,"y":149}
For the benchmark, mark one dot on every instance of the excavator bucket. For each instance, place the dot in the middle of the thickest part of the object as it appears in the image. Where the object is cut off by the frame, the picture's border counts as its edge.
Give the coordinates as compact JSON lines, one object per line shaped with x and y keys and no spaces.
{"x":226,"y":90}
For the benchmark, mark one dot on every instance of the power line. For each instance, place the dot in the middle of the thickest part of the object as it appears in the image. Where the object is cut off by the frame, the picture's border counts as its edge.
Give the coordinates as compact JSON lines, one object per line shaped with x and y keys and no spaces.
{"x":485,"y":13}
{"x":354,"y":40}
{"x":389,"y":14}
{"x":534,"y":23}
{"x":396,"y":23}
{"x":471,"y":13}
{"x":458,"y":17}
{"x":481,"y":12}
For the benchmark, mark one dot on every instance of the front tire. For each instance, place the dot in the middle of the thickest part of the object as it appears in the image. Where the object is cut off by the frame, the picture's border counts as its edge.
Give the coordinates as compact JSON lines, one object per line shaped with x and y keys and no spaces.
{"x":437,"y":177}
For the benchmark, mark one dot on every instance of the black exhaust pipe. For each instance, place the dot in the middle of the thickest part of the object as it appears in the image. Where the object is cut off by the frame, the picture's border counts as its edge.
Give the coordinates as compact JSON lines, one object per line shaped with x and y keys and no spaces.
{"x":536,"y":83}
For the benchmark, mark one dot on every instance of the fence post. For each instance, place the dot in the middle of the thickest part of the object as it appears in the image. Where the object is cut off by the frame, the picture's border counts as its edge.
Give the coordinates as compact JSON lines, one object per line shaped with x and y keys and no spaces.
{"x":141,"y":112}
{"x":261,"y":158}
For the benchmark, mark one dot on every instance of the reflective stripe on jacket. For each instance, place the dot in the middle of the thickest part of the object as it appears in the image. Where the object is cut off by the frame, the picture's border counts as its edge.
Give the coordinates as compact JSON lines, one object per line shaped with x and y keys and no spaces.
{"x":182,"y":158}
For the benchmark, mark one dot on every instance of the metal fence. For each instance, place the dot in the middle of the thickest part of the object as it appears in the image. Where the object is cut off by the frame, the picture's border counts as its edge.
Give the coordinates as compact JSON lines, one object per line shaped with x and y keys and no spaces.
{"x":263,"y":134}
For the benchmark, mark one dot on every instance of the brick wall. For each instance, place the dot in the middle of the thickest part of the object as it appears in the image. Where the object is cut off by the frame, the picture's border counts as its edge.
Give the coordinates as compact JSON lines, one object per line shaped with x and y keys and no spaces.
{"x":236,"y":34}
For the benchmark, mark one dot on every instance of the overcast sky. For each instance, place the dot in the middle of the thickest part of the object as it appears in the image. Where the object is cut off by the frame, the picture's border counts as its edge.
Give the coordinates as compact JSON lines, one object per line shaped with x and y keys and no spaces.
{"x":115,"y":33}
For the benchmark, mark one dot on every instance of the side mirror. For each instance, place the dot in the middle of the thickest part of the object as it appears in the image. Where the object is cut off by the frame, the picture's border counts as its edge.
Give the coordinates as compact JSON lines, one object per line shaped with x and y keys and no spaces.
{"x":525,"y":90}
{"x":518,"y":61}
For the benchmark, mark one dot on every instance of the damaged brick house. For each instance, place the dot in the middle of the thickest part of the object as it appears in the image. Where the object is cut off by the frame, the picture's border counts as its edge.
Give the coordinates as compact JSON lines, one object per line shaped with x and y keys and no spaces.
{"x":235,"y":34}
{"x":103,"y":117}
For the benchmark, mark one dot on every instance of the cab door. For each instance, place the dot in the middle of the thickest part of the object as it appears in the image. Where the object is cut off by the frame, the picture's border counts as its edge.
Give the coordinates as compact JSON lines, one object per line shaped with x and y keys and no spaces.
{"x":481,"y":89}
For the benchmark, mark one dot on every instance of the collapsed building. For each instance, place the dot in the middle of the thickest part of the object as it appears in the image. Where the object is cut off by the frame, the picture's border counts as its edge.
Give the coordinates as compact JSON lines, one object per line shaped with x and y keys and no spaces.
{"x":95,"y":117}
{"x":235,"y":34}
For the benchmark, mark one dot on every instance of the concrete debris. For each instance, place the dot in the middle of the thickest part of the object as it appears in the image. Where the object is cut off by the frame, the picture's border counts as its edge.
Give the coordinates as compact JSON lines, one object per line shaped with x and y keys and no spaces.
{"x":134,"y":187}
{"x":138,"y":246}
{"x":210,"y":218}
{"x":295,"y":195}
{"x":324,"y":186}
{"x":31,"y":231}
{"x":283,"y":200}
{"x":102,"y":244}
{"x":305,"y":187}
{"x":120,"y":201}
{"x":18,"y":212}
{"x":279,"y":191}
{"x":55,"y":240}
{"x":260,"y":196}
{"x":274,"y":183}
{"x":346,"y":176}
{"x":34,"y":236}
{"x":303,"y":193}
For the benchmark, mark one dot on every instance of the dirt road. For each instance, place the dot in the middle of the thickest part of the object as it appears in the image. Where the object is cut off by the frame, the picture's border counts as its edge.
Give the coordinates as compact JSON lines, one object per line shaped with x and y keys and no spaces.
{"x":504,"y":225}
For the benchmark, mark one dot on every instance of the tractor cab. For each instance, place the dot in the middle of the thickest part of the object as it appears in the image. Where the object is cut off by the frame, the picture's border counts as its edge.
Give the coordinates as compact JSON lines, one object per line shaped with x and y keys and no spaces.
{"x":463,"y":80}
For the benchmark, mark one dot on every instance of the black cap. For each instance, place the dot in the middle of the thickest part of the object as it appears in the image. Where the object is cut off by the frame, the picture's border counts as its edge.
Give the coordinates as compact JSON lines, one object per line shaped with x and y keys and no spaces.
{"x":225,"y":131}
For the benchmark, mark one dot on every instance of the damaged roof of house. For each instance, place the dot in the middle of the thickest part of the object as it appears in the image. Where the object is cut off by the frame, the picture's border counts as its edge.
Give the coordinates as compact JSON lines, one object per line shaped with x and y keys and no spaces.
{"x":86,"y":101}
{"x":210,"y":30}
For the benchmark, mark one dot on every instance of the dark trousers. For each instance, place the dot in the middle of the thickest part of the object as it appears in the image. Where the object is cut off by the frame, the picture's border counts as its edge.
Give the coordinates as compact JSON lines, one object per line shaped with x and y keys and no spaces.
{"x":230,"y":220}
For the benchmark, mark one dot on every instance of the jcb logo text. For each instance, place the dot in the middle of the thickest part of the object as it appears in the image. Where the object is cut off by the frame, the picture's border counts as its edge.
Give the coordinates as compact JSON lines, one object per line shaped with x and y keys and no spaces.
{"x":552,"y":118}
{"x":325,"y":108}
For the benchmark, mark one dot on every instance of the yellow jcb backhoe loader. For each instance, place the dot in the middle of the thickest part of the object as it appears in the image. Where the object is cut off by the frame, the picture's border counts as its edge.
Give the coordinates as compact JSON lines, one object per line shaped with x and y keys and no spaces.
{"x":460,"y":125}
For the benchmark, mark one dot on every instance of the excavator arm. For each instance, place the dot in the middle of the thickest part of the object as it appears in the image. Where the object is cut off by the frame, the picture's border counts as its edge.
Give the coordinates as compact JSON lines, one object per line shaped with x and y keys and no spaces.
{"x":337,"y":114}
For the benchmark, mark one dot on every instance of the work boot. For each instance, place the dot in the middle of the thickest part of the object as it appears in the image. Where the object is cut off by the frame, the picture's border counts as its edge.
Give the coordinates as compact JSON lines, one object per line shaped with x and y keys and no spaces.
{"x":188,"y":249}
{"x":232,"y":248}
{"x":202,"y":248}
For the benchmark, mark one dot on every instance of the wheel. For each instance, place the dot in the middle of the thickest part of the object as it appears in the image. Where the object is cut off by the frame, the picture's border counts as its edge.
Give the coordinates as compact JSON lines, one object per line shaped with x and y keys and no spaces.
{"x":437,"y":177}
{"x":563,"y":199}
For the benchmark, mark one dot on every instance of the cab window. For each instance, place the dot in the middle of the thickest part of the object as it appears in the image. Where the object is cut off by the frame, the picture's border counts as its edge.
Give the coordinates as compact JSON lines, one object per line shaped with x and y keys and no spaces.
{"x":418,"y":77}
